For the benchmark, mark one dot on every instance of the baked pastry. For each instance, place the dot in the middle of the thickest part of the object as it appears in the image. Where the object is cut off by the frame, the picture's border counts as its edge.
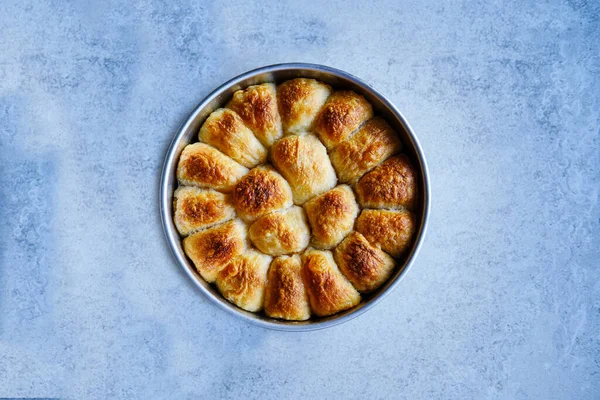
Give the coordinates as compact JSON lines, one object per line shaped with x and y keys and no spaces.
{"x":225,"y":131}
{"x":299,"y":102}
{"x":246,"y":224}
{"x":212,"y":248}
{"x":303,"y":161}
{"x":331,"y":216}
{"x":285,"y":294}
{"x":365,"y":266}
{"x":204,"y":166}
{"x":392,"y":231}
{"x":281,"y":232}
{"x":257,"y":106}
{"x":262,"y":190}
{"x":328,"y":290}
{"x":197,"y":208}
{"x":370,"y":145}
{"x":392,"y":185}
{"x":343,"y":112}
{"x":242,"y":281}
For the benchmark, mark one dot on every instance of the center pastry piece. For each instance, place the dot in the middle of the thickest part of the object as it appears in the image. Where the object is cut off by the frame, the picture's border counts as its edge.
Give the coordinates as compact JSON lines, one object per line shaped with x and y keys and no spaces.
{"x":296,"y":200}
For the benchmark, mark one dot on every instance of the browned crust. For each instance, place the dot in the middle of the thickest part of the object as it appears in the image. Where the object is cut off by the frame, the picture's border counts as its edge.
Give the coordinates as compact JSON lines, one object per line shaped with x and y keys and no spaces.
{"x":281,"y":232}
{"x":197,"y":208}
{"x":285,"y":151}
{"x":205,"y":166}
{"x":303,"y":161}
{"x":262,"y":190}
{"x":202,"y":211}
{"x":373,"y":143}
{"x":257,"y":107}
{"x":285,"y":295}
{"x":225,"y":130}
{"x":366,"y":266}
{"x":298,"y":97}
{"x":392,"y":231}
{"x":212,"y":248}
{"x":243,"y":280}
{"x":229,"y":122}
{"x":393,"y":184}
{"x":331,"y":215}
{"x":343,"y":112}
{"x":329,"y":292}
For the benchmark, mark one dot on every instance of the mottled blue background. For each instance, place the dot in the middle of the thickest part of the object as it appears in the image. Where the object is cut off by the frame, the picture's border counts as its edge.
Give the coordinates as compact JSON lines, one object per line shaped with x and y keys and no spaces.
{"x":503,"y":302}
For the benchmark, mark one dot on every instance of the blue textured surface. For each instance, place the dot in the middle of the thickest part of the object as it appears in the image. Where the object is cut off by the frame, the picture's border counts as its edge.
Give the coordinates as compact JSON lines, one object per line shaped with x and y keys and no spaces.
{"x":503,"y":302}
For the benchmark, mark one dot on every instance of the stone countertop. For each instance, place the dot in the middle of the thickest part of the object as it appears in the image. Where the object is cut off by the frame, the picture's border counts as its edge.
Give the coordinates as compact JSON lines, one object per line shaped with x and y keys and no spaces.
{"x":503,"y":301}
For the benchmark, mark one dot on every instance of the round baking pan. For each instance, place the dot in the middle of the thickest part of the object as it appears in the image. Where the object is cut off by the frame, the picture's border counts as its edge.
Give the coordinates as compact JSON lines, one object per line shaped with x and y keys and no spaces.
{"x":279,"y":73}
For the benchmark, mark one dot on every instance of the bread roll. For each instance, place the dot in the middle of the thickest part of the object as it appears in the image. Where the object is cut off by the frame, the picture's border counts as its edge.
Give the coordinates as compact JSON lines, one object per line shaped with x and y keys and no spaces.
{"x":257,"y":106}
{"x":200,"y":208}
{"x":242,"y":281}
{"x":303,"y":161}
{"x":392,"y":231}
{"x":285,"y":294}
{"x":341,"y":115}
{"x":261,"y":191}
{"x":225,"y":130}
{"x":281,"y":232}
{"x":366,"y":266}
{"x":212,"y":248}
{"x":331,"y":216}
{"x":328,"y":290}
{"x":374,"y":142}
{"x":204,"y":166}
{"x":299,"y":102}
{"x":393,"y":184}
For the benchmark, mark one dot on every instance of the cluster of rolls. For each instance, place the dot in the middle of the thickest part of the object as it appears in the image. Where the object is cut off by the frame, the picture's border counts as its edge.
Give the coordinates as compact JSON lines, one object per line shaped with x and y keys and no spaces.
{"x":295,"y":200}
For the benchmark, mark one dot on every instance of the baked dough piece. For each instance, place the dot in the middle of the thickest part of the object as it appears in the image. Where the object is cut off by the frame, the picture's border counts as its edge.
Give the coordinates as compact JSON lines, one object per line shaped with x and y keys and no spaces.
{"x":225,"y":130}
{"x":299,"y":102}
{"x":204,"y":166}
{"x":366,"y":266}
{"x":303,"y":161}
{"x":392,"y":231}
{"x":370,"y":145}
{"x":242,"y":281}
{"x":212,"y":248}
{"x":331,"y":216}
{"x":261,"y":191}
{"x":281,"y":232}
{"x":285,"y":295}
{"x":200,"y":208}
{"x":392,"y":184}
{"x":328,"y":290}
{"x":341,"y":115}
{"x":257,"y":106}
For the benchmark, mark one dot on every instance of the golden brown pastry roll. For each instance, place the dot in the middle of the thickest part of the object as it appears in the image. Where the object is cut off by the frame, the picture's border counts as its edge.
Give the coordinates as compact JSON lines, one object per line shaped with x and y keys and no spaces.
{"x":341,"y":115}
{"x":393,"y":184}
{"x":204,"y":166}
{"x":281,"y":232}
{"x":331,"y":216}
{"x":225,"y":130}
{"x":299,"y":102}
{"x":328,"y":290}
{"x":212,"y":248}
{"x":303,"y":161}
{"x":242,"y":281}
{"x":200,"y":208}
{"x":374,"y":142}
{"x":392,"y":231}
{"x":285,"y":294}
{"x":366,"y":266}
{"x":257,"y":106}
{"x":261,"y":191}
